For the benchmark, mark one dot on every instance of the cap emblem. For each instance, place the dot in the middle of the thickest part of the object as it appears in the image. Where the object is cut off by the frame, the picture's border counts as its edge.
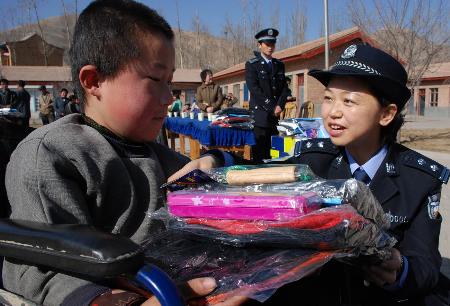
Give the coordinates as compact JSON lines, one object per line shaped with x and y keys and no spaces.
{"x":349,"y":52}
{"x":270,"y":32}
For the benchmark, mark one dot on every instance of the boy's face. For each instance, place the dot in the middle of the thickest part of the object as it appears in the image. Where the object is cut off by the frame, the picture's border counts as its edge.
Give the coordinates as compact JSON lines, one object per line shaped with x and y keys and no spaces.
{"x":133,"y":104}
{"x":352,"y":115}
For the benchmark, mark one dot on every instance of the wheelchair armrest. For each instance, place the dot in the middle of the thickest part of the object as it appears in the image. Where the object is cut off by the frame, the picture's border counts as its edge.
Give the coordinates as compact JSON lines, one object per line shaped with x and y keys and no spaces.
{"x":75,"y":248}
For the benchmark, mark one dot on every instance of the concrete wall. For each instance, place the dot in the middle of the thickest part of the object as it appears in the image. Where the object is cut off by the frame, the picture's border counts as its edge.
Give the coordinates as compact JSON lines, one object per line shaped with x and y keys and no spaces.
{"x":442,"y":110}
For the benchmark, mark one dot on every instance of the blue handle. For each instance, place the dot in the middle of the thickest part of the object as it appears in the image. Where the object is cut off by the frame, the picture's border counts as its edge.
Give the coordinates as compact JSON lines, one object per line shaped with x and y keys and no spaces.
{"x":160,"y":284}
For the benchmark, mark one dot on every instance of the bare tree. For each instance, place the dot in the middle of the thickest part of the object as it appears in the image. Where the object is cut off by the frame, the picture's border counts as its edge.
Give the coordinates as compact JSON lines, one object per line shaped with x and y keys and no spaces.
{"x":297,"y":23}
{"x":69,"y":36}
{"x":33,"y":4}
{"x":414,"y":31}
{"x":180,"y":46}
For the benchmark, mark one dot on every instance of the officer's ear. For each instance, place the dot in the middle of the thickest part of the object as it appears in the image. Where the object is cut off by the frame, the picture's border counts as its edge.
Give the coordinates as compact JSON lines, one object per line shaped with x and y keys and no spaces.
{"x":387,"y":114}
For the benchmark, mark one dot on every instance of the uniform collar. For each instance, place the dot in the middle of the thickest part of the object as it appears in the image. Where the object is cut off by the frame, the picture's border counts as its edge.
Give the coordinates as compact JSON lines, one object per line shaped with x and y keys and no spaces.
{"x":266,"y":59}
{"x":372,"y":165}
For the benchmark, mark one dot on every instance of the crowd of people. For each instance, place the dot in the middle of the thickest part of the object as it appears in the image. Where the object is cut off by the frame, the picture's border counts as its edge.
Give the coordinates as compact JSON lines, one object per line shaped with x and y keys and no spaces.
{"x":50,"y":108}
{"x":102,"y":167}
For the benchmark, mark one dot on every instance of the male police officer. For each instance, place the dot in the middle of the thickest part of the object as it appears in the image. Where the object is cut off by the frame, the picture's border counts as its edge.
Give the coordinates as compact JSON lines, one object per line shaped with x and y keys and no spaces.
{"x":268,"y":91}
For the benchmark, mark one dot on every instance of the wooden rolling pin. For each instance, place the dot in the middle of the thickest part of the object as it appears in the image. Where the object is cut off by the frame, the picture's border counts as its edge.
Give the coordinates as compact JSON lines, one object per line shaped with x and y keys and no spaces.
{"x":269,"y":175}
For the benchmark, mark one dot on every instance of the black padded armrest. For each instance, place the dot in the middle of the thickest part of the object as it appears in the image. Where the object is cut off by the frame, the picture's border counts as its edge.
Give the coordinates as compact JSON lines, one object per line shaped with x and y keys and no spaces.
{"x":74,"y":248}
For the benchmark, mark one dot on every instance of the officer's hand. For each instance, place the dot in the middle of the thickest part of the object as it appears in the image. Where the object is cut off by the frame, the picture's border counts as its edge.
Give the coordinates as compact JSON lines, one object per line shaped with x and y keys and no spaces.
{"x":209,"y":109}
{"x":386,"y":272}
{"x":205,"y":162}
{"x":277,"y":111}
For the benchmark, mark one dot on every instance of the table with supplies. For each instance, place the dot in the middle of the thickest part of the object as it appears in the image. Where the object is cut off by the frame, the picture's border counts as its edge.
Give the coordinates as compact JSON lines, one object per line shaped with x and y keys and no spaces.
{"x":202,"y":136}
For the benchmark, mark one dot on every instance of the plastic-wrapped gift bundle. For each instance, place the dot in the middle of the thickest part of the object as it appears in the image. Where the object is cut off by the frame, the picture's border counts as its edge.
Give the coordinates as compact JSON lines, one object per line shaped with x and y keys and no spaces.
{"x":299,"y":227}
{"x":261,"y":174}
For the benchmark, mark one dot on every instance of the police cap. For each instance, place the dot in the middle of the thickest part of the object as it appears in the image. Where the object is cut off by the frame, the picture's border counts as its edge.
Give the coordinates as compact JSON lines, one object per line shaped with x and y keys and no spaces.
{"x":384,"y":74}
{"x":268,"y":35}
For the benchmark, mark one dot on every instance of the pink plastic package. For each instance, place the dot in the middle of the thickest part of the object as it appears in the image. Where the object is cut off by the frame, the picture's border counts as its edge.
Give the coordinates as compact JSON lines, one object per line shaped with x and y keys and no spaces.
{"x":243,"y":206}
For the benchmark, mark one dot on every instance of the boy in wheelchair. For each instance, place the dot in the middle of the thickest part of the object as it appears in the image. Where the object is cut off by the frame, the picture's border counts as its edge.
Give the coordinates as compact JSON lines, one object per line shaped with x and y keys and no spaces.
{"x":100,"y":167}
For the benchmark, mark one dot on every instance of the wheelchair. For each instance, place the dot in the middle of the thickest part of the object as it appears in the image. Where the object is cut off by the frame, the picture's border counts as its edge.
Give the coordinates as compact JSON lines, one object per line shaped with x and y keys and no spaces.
{"x":83,"y":251}
{"x":73,"y":249}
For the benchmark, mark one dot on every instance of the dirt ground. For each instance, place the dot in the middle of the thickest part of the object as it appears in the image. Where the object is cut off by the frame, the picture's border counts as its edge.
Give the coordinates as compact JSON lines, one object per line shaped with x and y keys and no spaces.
{"x":437,"y":140}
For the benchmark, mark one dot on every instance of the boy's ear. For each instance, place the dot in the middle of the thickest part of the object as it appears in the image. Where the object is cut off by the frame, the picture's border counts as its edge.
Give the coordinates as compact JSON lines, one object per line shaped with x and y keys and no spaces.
{"x":90,"y":80}
{"x":388,"y":114}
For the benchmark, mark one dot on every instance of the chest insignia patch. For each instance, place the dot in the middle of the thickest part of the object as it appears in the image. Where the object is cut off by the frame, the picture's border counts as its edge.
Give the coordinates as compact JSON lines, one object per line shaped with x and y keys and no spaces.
{"x":433,"y":205}
{"x":397,"y":219}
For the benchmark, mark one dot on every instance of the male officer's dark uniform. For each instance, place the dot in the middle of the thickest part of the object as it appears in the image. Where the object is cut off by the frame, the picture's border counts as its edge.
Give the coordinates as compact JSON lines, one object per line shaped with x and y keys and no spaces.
{"x":407,"y":185}
{"x":268,"y":89}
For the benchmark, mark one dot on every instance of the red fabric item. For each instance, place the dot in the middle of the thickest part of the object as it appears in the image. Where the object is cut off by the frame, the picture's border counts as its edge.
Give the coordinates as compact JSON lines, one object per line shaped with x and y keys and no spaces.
{"x":315,"y":221}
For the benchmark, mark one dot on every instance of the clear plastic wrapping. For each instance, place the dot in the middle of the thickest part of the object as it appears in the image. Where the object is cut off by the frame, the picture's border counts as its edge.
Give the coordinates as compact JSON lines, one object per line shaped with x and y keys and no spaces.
{"x":253,"y":257}
{"x":261,"y":174}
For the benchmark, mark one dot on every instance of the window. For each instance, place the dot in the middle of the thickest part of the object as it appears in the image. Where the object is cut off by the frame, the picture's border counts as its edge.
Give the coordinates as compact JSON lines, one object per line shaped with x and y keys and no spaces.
{"x":224,"y":90}
{"x":434,"y":97}
{"x":246,"y":92}
{"x":236,"y":90}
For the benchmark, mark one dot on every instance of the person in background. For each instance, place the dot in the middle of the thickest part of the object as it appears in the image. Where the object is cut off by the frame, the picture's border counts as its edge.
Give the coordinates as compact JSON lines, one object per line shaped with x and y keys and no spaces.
{"x":229,"y":100}
{"x":7,"y":97}
{"x":73,"y":107}
{"x":46,"y":110}
{"x":22,"y":104}
{"x":266,"y":82}
{"x":60,"y":103}
{"x":289,"y":98}
{"x":209,"y":95}
{"x":176,"y":105}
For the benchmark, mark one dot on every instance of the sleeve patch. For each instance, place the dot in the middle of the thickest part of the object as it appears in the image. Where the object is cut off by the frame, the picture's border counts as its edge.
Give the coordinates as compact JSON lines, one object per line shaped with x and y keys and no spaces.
{"x":433,"y":206}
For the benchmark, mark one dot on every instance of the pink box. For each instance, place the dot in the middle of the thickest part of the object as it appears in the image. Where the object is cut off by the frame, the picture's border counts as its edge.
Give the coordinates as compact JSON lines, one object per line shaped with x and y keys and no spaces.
{"x":241,"y":206}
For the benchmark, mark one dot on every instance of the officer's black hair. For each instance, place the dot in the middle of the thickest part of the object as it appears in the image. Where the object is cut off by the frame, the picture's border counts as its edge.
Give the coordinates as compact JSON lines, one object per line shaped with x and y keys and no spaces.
{"x":109,"y":35}
{"x":204,"y":73}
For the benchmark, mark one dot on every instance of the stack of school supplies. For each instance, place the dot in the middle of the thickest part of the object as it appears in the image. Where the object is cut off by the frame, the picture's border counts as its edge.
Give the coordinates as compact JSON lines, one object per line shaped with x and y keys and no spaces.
{"x":233,"y":118}
{"x":255,"y":237}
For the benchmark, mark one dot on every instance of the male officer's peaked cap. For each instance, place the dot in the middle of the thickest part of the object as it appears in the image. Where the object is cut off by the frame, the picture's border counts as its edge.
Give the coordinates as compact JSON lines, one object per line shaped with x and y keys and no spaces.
{"x":269,"y":35}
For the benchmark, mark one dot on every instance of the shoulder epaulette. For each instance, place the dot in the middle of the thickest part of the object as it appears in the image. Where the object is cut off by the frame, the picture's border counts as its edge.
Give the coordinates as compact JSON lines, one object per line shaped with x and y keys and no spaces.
{"x":253,"y":60}
{"x":322,"y":145}
{"x":416,"y":160}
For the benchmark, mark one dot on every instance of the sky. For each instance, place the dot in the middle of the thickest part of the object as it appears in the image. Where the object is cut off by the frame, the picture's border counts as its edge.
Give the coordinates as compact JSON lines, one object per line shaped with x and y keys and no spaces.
{"x":213,"y":12}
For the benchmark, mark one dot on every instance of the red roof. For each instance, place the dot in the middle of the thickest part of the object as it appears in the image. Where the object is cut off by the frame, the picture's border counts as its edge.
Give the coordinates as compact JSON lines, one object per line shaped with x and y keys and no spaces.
{"x":305,"y":50}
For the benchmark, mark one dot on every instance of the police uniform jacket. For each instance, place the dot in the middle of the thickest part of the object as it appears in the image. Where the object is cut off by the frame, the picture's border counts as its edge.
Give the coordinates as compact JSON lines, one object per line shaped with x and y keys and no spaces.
{"x":267,"y":89}
{"x":408,"y":187}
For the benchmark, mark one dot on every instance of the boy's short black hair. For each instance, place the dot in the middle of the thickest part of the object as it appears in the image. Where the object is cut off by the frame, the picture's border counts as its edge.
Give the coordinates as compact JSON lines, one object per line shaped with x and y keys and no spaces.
{"x":204,"y":73}
{"x":4,"y":81}
{"x":21,"y":83}
{"x":64,"y":89}
{"x":109,"y":35}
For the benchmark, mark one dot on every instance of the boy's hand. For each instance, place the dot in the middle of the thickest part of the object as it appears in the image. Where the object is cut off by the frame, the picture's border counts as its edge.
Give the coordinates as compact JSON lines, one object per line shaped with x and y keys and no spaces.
{"x":203,"y":163}
{"x":199,"y":287}
{"x":277,"y":111}
{"x":386,"y":272}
